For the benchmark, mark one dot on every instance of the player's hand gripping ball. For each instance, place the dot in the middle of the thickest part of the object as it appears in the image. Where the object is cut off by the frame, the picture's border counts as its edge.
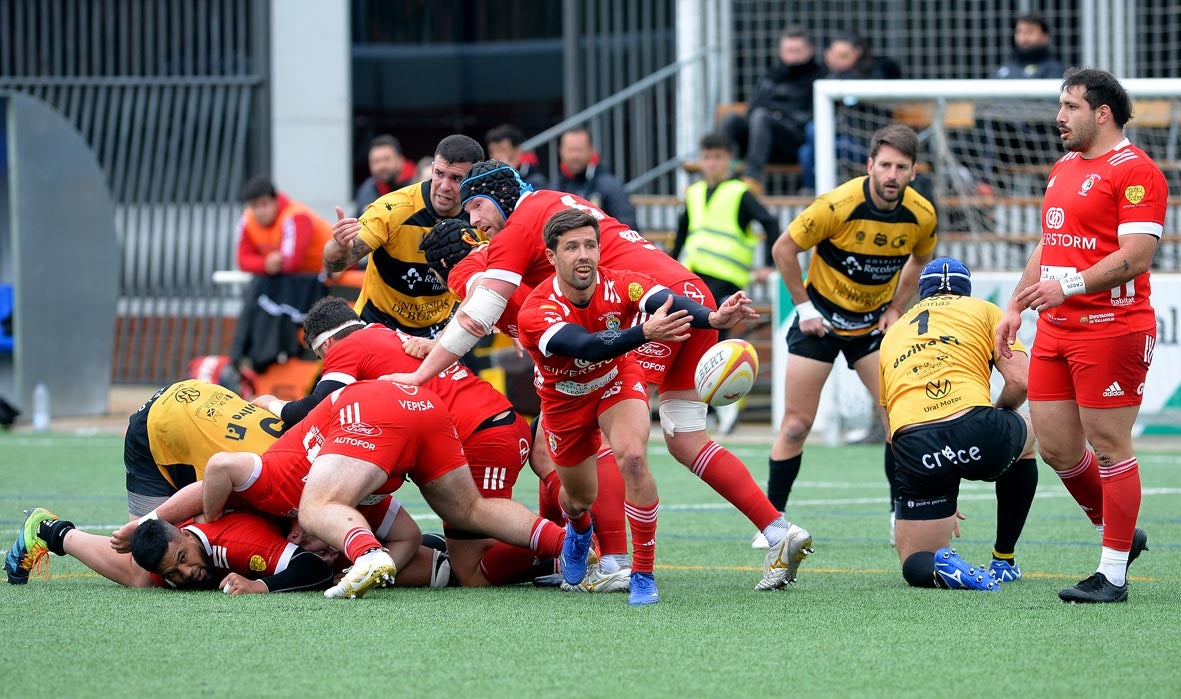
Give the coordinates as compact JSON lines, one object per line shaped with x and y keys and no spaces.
{"x":726,"y":372}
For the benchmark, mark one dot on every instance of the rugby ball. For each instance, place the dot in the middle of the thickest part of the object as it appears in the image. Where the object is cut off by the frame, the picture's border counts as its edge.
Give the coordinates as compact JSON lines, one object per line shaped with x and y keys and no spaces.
{"x":726,"y":372}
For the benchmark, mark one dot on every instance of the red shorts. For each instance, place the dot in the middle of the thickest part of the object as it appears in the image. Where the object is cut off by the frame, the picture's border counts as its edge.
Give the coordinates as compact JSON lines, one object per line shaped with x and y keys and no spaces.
{"x":495,"y":456}
{"x":671,"y":365}
{"x":1105,"y":372}
{"x":571,"y":425}
{"x":277,"y":483}
{"x":403,"y":430}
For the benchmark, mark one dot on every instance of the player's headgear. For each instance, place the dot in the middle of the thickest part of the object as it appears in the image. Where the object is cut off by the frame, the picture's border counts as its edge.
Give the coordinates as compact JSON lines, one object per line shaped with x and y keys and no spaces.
{"x":496,"y":181}
{"x":945,"y":275}
{"x":449,"y":241}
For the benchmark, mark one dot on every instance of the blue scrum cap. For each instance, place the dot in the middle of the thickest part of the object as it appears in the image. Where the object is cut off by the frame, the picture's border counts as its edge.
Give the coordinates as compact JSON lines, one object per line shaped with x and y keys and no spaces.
{"x":945,"y":275}
{"x":496,"y":181}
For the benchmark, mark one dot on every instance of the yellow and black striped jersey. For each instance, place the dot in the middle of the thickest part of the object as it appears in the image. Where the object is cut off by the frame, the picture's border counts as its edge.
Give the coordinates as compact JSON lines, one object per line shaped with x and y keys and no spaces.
{"x":190,"y":421}
{"x":399,"y":290}
{"x":937,"y":359}
{"x":859,"y":251}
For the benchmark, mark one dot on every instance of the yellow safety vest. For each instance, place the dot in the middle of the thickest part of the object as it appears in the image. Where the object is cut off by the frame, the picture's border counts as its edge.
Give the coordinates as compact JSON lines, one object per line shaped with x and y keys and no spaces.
{"x":716,"y":246}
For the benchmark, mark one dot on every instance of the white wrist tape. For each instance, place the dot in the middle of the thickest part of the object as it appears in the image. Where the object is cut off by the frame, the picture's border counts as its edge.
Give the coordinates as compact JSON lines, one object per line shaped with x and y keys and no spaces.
{"x":806,"y":311}
{"x":456,"y":339}
{"x":150,"y":515}
{"x":276,"y":406}
{"x":1073,"y":284}
{"x":485,"y":306}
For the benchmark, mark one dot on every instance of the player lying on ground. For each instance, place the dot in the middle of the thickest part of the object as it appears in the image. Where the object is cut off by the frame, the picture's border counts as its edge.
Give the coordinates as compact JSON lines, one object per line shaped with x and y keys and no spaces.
{"x":241,"y":553}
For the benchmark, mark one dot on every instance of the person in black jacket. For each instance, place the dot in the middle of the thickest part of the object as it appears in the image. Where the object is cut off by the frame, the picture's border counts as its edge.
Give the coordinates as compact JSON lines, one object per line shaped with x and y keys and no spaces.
{"x":581,"y":172}
{"x":780,"y":107}
{"x":1032,"y":58}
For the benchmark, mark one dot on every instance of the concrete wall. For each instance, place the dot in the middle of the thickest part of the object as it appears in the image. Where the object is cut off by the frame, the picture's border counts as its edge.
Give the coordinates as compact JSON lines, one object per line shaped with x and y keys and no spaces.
{"x":311,"y":102}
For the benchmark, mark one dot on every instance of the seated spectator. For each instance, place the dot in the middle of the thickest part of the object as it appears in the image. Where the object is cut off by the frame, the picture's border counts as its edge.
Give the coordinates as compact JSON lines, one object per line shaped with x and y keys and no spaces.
{"x":780,"y":107}
{"x":281,"y":242}
{"x":388,"y":170}
{"x":849,"y":56}
{"x":1032,"y":57}
{"x":504,"y":144}
{"x":579,"y":172}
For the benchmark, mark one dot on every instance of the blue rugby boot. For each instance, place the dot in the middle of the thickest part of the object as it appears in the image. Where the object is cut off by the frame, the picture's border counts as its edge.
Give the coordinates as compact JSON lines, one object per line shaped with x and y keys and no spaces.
{"x":954,"y":573}
{"x":575,"y":554}
{"x":1004,"y":571}
{"x":643,"y":590}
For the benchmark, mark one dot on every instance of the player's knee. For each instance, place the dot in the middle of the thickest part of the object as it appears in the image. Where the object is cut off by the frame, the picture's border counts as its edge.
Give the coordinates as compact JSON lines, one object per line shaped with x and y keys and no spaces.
{"x":919,"y":569}
{"x":795,"y":429}
{"x":632,"y":461}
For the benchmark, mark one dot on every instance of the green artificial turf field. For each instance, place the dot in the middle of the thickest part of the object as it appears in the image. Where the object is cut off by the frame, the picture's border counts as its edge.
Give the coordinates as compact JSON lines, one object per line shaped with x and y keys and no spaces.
{"x":849,"y":627}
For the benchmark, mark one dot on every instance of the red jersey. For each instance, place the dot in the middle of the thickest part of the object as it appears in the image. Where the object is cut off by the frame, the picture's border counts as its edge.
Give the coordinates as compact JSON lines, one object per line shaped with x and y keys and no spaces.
{"x":517,"y":253}
{"x":465,"y":272}
{"x":240,"y":542}
{"x":1088,"y":205}
{"x":376,"y":350}
{"x":619,"y":297}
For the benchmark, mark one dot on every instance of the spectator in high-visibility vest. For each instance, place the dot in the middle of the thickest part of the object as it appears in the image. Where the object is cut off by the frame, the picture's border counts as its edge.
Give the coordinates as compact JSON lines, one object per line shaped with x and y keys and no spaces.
{"x":714,"y":237}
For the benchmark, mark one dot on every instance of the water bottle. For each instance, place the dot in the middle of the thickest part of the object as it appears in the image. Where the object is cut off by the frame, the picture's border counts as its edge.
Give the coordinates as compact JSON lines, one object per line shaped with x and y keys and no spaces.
{"x":40,"y":408}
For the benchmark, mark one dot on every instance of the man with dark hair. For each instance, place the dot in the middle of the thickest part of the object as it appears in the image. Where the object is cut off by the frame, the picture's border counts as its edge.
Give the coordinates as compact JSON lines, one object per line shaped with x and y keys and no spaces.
{"x":239,"y":554}
{"x":503,"y":206}
{"x":504,"y":143}
{"x":573,"y":327}
{"x":1032,"y":58}
{"x":398,"y":290}
{"x":389,"y":170}
{"x":580,"y":172}
{"x":1088,"y":279}
{"x":936,"y":362}
{"x":872,"y":235}
{"x":772,"y":130}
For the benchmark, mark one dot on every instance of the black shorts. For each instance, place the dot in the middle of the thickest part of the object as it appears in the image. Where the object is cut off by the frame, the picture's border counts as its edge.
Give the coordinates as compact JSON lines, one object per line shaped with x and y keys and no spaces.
{"x":931,"y":459}
{"x":825,"y":349}
{"x":143,"y":477}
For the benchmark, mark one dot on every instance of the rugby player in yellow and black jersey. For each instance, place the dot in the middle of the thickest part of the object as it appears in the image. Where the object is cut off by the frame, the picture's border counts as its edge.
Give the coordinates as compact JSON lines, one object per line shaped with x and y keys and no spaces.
{"x":870,"y":238}
{"x":399,"y":290}
{"x":936,"y":362}
{"x":172,"y":436}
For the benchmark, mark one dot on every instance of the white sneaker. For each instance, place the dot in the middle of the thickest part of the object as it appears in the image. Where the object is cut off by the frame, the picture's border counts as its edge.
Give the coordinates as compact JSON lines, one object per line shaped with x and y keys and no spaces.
{"x":373,"y":569}
{"x":892,"y":523}
{"x":759,"y":542}
{"x":783,"y":559}
{"x":597,"y":581}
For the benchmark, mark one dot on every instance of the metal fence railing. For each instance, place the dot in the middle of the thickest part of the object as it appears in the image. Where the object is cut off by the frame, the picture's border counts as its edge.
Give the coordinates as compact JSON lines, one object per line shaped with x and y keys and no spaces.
{"x":171,"y":97}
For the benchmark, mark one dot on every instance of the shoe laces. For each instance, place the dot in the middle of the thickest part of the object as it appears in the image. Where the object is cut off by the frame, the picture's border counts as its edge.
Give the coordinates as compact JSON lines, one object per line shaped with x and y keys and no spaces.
{"x":36,"y":561}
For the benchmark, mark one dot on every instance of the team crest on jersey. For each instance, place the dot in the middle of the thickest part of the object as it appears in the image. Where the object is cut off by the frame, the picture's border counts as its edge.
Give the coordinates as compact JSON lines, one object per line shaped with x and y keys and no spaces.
{"x":1135,"y":193}
{"x":635,"y":291}
{"x":860,"y":236}
{"x":880,"y":239}
{"x":612,"y":321}
{"x":1088,"y":183}
{"x":257,"y":563}
{"x":553,"y":442}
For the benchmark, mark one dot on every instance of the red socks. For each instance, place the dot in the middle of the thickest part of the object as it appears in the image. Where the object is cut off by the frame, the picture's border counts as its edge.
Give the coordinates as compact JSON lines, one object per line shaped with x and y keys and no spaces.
{"x":730,"y":478}
{"x":1121,"y":503}
{"x":357,"y":541}
{"x":610,"y":523}
{"x":1083,"y":484}
{"x":546,"y":538}
{"x":643,"y":523}
{"x":505,"y":564}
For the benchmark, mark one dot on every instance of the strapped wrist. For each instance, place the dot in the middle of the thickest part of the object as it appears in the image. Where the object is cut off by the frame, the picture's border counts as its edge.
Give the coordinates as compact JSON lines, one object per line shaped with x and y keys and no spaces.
{"x":807,"y":311}
{"x":1073,"y":284}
